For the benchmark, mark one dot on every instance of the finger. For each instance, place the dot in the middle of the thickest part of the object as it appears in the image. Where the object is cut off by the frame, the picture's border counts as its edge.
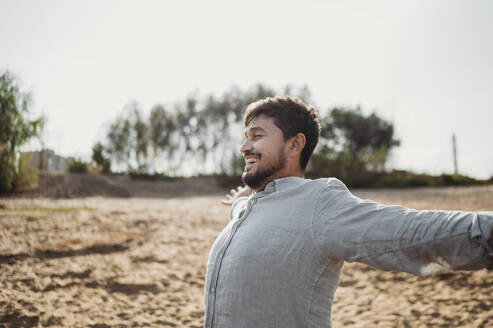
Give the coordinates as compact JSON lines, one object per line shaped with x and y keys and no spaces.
{"x":245,"y":191}
{"x":227,"y":200}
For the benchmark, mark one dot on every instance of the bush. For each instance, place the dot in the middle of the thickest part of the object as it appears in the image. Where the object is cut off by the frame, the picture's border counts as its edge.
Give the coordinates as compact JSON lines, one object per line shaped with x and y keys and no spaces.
{"x":77,"y":165}
{"x":150,"y":176}
{"x":355,"y":175}
{"x":458,"y":180}
{"x":403,"y":179}
{"x":352,"y":173}
{"x":27,"y":176}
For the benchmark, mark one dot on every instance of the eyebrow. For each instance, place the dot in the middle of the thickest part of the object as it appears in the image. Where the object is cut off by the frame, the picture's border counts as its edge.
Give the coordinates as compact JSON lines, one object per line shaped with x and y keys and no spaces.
{"x":254,"y":129}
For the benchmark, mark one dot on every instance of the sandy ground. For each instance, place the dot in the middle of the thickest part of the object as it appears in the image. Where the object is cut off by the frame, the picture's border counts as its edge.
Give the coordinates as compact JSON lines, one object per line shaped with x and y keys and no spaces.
{"x":140,"y":262}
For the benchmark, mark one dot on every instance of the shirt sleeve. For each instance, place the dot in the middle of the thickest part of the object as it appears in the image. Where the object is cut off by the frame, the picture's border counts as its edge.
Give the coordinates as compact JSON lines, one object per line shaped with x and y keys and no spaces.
{"x":396,"y":238}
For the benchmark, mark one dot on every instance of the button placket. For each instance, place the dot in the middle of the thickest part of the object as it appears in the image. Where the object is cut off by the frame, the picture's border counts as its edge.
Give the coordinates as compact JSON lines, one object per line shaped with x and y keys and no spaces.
{"x":220,"y":256}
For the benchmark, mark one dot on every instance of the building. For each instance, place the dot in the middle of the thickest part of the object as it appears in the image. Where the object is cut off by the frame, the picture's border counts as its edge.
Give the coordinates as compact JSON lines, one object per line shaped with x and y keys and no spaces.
{"x":46,"y":160}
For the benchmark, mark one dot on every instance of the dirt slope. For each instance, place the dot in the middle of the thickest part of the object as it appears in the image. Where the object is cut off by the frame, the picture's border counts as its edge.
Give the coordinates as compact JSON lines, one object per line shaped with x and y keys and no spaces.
{"x":71,"y":185}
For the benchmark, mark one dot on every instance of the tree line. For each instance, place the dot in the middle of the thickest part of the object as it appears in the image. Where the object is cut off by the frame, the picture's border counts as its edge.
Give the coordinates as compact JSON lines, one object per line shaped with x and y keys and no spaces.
{"x":203,"y":136}
{"x":196,"y":136}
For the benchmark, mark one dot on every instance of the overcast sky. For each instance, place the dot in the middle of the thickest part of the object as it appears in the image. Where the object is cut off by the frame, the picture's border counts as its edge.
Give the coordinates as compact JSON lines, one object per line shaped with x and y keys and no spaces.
{"x":425,"y":65}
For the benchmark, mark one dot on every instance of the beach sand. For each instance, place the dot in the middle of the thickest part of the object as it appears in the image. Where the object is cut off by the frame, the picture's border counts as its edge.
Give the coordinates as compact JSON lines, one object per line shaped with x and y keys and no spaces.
{"x":140,"y":262}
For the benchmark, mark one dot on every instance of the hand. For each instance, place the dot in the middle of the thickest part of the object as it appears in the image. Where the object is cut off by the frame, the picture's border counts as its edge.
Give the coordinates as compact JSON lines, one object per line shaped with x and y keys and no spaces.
{"x":235,"y":194}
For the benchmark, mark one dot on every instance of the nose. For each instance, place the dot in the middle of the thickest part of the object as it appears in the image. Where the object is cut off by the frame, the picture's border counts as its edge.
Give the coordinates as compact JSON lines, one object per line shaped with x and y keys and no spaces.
{"x":247,"y":146}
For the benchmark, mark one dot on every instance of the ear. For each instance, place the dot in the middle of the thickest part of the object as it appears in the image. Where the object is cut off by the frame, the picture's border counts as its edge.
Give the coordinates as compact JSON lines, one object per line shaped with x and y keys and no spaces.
{"x":297,"y":143}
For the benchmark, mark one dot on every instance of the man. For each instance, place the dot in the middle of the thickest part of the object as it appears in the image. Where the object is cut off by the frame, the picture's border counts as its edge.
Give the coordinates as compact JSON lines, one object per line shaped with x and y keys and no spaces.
{"x":278,"y":261}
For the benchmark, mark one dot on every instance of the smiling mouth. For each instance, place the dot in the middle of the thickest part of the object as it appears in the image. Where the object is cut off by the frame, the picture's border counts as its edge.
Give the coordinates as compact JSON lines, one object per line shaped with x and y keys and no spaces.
{"x":251,"y":162}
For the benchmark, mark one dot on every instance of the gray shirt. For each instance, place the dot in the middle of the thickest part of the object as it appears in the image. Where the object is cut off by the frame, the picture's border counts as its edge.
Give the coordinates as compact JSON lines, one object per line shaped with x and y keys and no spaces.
{"x":278,"y":261}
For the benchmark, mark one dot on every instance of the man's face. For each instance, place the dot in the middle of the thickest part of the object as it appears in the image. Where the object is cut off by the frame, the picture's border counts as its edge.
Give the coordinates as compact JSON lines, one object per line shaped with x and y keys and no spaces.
{"x":264,"y":153}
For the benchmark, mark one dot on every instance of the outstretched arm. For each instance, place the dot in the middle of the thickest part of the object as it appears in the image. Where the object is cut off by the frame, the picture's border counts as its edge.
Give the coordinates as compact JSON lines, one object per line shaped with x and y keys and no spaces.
{"x":234,"y":194}
{"x":397,"y":238}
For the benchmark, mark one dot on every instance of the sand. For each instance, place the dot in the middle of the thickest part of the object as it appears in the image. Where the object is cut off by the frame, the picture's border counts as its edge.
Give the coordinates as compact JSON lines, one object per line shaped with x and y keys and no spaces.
{"x":140,"y":262}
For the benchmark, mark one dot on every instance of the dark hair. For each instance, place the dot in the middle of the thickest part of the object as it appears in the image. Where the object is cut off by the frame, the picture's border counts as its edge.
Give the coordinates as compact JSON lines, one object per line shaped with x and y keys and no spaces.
{"x":292,"y":116}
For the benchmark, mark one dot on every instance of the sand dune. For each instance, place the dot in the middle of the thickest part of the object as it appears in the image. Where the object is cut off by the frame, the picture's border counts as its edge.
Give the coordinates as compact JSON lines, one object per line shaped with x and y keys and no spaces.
{"x":140,"y":262}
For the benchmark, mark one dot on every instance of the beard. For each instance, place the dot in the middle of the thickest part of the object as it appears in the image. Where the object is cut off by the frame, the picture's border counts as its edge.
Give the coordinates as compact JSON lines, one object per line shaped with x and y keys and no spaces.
{"x":261,"y":176}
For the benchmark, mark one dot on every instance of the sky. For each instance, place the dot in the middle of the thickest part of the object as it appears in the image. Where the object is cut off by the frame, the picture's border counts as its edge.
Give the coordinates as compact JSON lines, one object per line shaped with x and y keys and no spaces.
{"x":424,"y":65}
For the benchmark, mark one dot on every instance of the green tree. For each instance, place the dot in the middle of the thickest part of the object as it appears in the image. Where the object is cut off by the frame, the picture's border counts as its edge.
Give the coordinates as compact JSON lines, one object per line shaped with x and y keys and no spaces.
{"x":15,"y":129}
{"x":353,"y":146}
{"x":98,"y":157}
{"x":118,"y":140}
{"x":140,"y":140}
{"x":128,"y":139}
{"x":162,"y":125}
{"x":363,"y":133}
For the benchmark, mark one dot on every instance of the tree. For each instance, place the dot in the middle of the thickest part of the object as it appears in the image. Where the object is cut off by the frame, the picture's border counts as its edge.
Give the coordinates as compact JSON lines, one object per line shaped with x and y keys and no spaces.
{"x":162,"y":125}
{"x":118,"y":139}
{"x":353,"y":146}
{"x":141,"y":140}
{"x":363,"y":133}
{"x":102,"y":162}
{"x":128,"y":139}
{"x":15,"y":129}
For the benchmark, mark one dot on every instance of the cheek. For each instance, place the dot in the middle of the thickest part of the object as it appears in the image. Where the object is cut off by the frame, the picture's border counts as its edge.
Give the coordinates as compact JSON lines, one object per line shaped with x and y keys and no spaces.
{"x":267,"y":148}
{"x":269,"y":154}
{"x":260,"y":146}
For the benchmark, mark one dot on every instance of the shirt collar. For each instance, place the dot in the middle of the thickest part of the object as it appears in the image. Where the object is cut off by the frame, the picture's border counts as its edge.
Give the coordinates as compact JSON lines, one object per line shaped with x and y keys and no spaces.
{"x":283,"y":183}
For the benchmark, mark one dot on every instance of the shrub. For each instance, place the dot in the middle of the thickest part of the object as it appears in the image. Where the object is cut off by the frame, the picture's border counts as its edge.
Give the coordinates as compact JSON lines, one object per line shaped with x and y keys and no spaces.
{"x":403,"y":179}
{"x":77,"y":165}
{"x":458,"y":180}
{"x":27,"y":175}
{"x":150,"y":176}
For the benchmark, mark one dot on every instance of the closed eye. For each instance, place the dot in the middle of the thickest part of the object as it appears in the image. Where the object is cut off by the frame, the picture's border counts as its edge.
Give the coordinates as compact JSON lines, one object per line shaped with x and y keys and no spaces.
{"x":254,"y":132}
